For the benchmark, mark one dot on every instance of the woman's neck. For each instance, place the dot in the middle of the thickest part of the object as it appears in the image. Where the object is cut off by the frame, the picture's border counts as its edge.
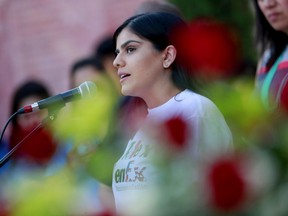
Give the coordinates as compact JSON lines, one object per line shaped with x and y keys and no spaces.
{"x":161,"y":96}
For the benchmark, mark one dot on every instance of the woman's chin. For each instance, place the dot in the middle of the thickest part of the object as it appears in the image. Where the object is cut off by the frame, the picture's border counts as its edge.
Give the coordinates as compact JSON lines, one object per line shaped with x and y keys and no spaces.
{"x":125,"y":91}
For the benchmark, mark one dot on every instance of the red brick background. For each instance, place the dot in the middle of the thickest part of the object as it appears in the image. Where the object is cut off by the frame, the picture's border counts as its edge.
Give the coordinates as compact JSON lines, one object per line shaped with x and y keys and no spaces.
{"x":41,"y":38}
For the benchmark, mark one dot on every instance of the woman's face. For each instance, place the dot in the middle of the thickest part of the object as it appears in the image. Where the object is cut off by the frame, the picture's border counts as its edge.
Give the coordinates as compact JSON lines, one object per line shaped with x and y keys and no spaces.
{"x":276,"y":12}
{"x":139,"y":65}
{"x":30,"y":120}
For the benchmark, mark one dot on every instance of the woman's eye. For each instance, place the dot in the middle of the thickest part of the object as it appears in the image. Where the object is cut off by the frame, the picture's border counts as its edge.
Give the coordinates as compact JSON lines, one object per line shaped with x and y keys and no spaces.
{"x":130,"y":49}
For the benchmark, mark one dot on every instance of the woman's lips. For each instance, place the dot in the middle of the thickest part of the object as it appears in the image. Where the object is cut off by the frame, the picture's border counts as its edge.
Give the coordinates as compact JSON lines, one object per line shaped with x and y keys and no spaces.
{"x":123,"y":76}
{"x":273,"y":17}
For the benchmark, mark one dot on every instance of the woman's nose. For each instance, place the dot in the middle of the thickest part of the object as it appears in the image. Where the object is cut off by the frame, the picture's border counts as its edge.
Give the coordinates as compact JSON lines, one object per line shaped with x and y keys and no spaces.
{"x":269,"y":3}
{"x":117,"y":61}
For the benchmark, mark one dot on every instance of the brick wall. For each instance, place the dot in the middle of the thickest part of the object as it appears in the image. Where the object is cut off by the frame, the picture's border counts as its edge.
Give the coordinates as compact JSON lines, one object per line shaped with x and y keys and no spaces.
{"x":40,"y":39}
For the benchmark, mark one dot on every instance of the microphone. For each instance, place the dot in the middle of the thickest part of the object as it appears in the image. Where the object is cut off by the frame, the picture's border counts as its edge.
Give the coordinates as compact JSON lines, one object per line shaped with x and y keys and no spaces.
{"x":85,"y":90}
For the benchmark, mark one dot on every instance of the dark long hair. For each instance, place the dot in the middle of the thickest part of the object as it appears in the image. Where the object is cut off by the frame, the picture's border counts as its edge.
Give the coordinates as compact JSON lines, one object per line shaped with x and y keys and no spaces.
{"x":267,"y":36}
{"x":27,"y":89}
{"x":157,"y":28}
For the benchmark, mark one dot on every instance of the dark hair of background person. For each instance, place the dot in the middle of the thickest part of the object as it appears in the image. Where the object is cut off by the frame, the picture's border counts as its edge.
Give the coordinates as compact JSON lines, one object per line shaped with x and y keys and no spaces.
{"x":268,"y":37}
{"x":158,"y":6}
{"x":89,"y":61}
{"x":105,"y":48}
{"x":86,"y":62}
{"x":29,"y":88}
{"x":159,"y":34}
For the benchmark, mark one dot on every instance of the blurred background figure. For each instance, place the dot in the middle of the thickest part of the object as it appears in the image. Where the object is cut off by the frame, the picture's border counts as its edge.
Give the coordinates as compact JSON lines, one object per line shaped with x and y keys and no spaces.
{"x":45,"y":155}
{"x":104,"y":51}
{"x":88,"y":68}
{"x":85,"y":69}
{"x":42,"y":150}
{"x":271,"y":19}
{"x":93,"y":197}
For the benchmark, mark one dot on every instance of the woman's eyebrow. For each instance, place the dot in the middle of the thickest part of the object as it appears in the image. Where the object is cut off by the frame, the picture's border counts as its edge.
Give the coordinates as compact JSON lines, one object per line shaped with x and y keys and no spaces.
{"x":126,"y":43}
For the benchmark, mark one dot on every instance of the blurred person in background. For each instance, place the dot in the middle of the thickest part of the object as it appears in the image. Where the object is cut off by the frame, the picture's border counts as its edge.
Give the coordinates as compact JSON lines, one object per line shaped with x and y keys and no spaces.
{"x":85,"y":69}
{"x":90,"y":68}
{"x":271,"y":20}
{"x":46,"y":153}
{"x":42,"y":150}
{"x":105,"y":53}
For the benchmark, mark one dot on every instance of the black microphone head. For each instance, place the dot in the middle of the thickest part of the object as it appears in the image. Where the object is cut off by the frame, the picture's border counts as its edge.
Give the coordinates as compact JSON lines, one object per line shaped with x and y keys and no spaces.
{"x":87,"y":89}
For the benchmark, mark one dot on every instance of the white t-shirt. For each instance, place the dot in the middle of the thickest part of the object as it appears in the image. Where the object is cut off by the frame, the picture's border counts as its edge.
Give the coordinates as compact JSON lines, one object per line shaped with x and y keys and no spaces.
{"x":134,"y":174}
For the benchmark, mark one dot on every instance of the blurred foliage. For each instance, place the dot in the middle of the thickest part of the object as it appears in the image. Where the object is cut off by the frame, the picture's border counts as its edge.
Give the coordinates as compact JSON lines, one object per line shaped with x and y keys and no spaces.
{"x":250,"y":180}
{"x":237,"y":14}
{"x":87,"y":121}
{"x":39,"y":195}
{"x":241,"y":107}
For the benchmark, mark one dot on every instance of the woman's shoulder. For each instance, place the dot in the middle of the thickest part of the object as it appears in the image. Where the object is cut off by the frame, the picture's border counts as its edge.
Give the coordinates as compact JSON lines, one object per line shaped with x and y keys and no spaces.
{"x":262,"y":66}
{"x":194,"y":97}
{"x":262,"y":63}
{"x":198,"y":104}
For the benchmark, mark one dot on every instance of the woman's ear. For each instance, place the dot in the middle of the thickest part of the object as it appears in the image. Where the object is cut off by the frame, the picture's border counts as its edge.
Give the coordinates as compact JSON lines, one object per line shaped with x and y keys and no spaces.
{"x":169,"y":56}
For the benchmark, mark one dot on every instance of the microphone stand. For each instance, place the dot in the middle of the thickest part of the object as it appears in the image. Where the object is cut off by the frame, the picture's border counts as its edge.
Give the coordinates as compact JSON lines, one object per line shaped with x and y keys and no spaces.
{"x":51,"y":117}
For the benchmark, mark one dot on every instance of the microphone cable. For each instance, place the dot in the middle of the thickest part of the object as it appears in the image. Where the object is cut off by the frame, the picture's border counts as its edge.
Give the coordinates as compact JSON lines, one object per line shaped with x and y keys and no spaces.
{"x":6,"y":125}
{"x":3,"y":160}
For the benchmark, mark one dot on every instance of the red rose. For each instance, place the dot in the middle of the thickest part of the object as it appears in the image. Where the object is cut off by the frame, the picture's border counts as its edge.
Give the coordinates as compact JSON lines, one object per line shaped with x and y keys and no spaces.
{"x":176,"y":130}
{"x":210,"y":49}
{"x":227,"y":186}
